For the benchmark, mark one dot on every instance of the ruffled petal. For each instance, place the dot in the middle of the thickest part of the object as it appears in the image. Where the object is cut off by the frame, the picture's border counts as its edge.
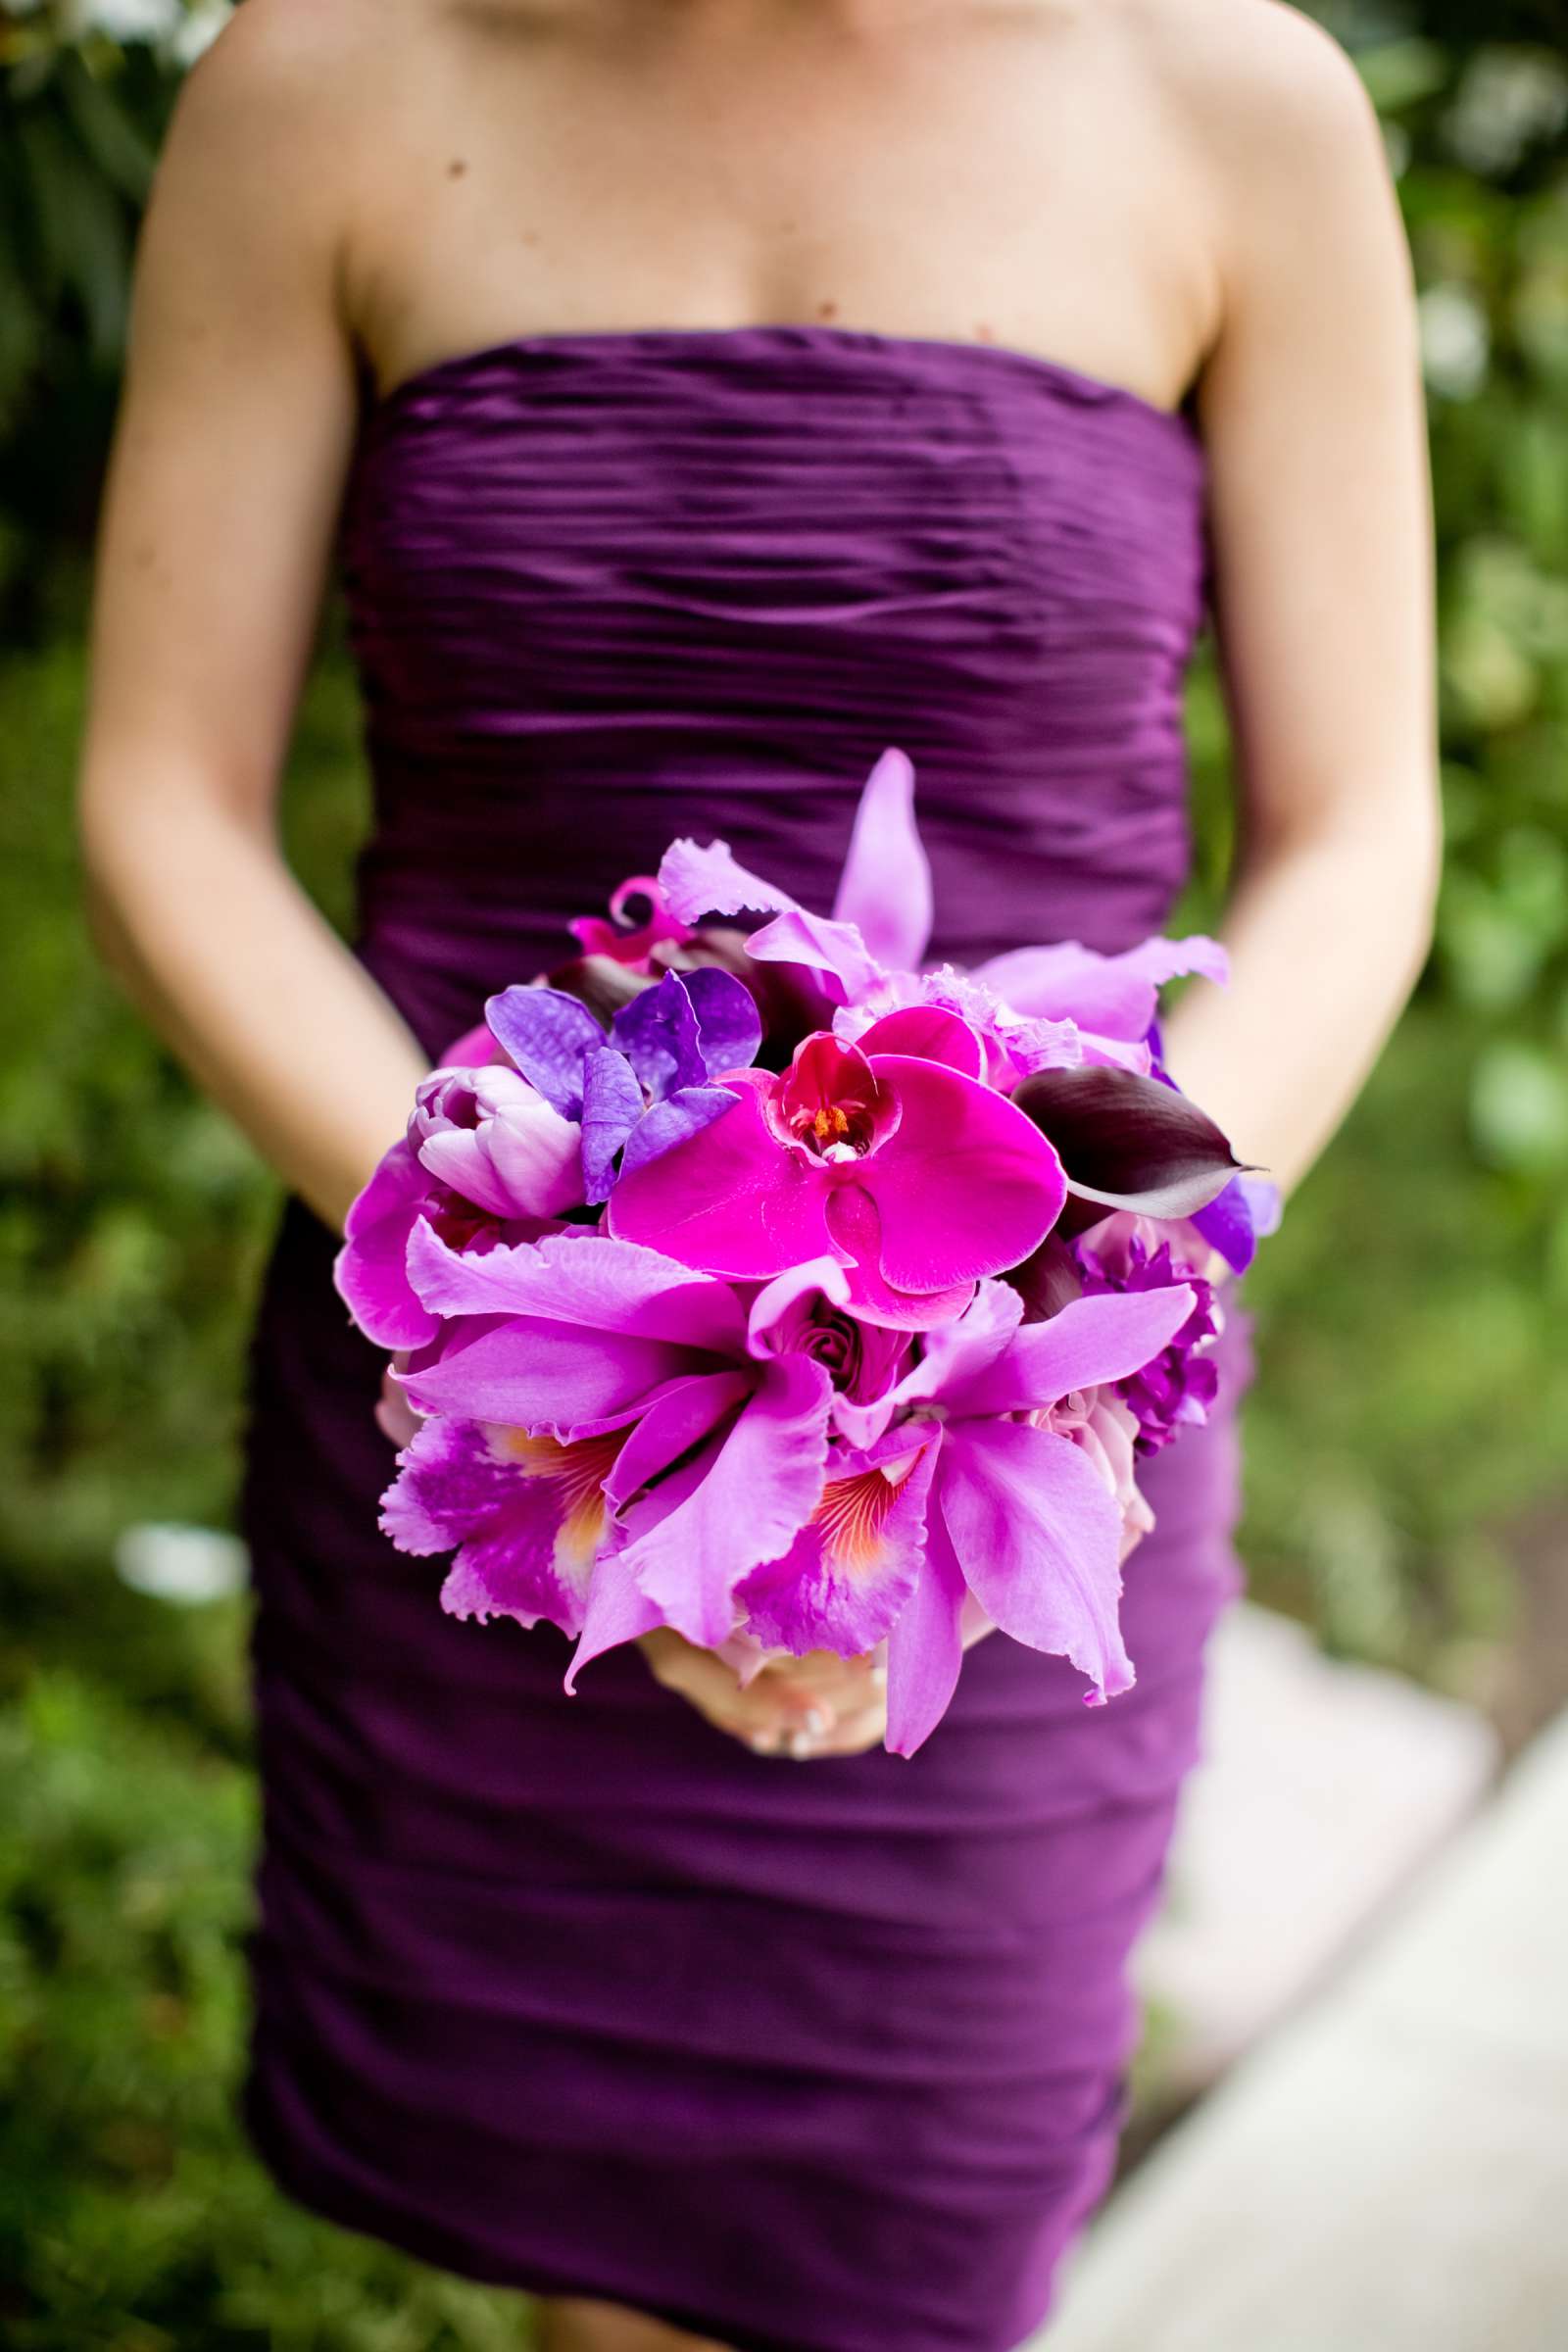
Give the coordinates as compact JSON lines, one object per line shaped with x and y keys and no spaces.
{"x":1113,"y":994}
{"x":696,"y":881}
{"x":528,"y":1516}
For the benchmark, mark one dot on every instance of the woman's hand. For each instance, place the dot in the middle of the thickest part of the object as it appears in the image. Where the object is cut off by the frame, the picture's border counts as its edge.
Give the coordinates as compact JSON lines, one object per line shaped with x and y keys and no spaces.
{"x":816,"y":1705}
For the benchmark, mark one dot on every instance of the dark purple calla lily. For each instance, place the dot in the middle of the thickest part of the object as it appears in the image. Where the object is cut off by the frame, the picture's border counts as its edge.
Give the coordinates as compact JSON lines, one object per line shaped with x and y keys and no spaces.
{"x":1128,"y":1141}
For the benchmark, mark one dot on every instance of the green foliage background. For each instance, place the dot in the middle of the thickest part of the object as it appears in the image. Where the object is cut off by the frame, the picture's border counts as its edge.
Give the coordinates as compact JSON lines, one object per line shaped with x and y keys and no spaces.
{"x":1413,"y":1389}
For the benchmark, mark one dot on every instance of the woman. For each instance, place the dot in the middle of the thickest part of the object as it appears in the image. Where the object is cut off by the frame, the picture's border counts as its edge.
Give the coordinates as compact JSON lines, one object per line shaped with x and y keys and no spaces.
{"x":699,"y":398}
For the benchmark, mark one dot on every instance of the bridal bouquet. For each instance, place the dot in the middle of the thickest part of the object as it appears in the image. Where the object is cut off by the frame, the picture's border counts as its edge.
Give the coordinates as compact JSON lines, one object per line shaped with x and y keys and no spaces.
{"x":767,"y":1287}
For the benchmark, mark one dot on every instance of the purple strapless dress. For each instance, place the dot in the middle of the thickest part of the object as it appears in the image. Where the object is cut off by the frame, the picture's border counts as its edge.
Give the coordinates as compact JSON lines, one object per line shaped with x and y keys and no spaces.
{"x":579,"y":1995}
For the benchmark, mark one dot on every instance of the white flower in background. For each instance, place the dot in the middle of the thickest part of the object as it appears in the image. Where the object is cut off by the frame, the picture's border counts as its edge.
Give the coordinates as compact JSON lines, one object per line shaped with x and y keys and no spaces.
{"x":1455,"y":341}
{"x":185,"y":1564}
{"x":123,"y":19}
{"x":1508,"y":100}
{"x":178,"y":33}
{"x":198,"y":27}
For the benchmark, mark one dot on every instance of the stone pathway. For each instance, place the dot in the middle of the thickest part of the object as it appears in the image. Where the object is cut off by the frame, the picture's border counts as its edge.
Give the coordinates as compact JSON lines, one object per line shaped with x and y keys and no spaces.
{"x":1324,"y":1786}
{"x":1388,"y":2172}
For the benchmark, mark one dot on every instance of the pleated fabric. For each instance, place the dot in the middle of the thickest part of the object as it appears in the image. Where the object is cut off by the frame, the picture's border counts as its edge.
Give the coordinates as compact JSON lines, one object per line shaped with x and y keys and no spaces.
{"x":578,"y":1994}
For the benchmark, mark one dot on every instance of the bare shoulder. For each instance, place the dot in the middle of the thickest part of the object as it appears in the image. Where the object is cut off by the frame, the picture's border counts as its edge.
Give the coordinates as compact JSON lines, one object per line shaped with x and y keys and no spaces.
{"x":1270,"y":98}
{"x":289,"y":89}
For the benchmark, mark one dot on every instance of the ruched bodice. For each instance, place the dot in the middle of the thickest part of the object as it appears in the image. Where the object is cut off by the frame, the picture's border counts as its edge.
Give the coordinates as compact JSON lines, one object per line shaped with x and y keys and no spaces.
{"x":607,"y":586}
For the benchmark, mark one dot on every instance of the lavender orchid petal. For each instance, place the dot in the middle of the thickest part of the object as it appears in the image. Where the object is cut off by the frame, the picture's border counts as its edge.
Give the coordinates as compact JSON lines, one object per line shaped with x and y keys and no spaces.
{"x":1093,"y":1340}
{"x":616,"y":1612}
{"x":696,"y":881}
{"x":728,"y":1024}
{"x":855,"y":1563}
{"x":884,"y":892}
{"x":542,"y":1377}
{"x":836,"y":951}
{"x":959,"y":1354}
{"x":1038,"y":1535}
{"x":527,"y":1514}
{"x":658,"y":1032}
{"x":925,"y":1646}
{"x":611,"y":1106}
{"x":685,"y":1413}
{"x":547,"y":1034}
{"x":586,"y":1281}
{"x":663,"y":1125}
{"x":758,"y":1485}
{"x":1113,"y":994}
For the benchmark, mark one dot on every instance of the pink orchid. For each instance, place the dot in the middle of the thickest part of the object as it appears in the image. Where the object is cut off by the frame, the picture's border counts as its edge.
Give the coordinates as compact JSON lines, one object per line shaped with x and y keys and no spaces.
{"x":1034,"y":1008}
{"x":1019,"y":1517}
{"x":912,"y":1175}
{"x":613,"y":1440}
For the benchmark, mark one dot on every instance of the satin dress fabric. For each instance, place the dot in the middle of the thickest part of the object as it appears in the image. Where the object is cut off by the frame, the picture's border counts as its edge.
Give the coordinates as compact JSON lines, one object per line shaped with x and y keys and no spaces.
{"x":580,"y":1994}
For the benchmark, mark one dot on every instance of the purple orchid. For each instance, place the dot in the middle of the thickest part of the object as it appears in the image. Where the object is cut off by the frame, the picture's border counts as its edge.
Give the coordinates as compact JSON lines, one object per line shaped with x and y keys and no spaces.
{"x":485,"y":1157}
{"x":1177,"y":1386}
{"x":615,"y":1442}
{"x":915,"y":1176}
{"x":1019,"y":1517}
{"x":646,"y":1084}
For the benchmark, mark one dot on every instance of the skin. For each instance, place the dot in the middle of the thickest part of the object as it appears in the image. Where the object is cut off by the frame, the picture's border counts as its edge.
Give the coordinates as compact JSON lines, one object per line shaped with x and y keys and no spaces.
{"x":1162,"y":194}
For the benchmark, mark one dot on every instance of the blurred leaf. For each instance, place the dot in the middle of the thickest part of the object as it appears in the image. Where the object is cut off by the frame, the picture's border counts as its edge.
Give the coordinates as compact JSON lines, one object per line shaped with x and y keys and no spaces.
{"x":1519,"y":1108}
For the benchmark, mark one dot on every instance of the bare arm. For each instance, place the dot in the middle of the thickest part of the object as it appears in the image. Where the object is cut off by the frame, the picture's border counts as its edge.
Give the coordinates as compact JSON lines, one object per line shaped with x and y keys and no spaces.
{"x":1311,"y":404}
{"x":224,"y":479}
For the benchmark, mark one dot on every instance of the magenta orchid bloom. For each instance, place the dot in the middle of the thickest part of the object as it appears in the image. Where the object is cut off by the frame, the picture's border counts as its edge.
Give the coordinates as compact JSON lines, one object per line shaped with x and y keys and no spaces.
{"x":909,"y":1173}
{"x":485,"y":1158}
{"x":630,"y":943}
{"x":1019,"y":1517}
